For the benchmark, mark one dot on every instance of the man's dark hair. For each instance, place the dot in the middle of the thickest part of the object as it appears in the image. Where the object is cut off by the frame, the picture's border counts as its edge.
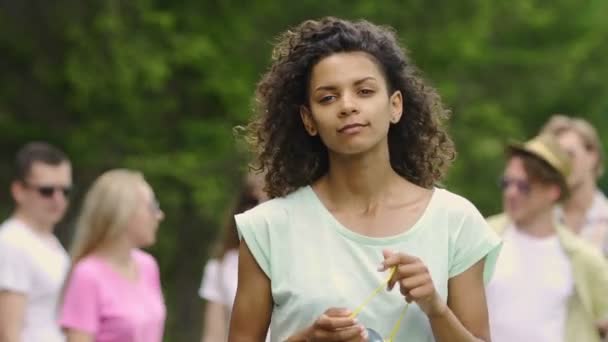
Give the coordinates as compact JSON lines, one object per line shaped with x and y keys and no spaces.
{"x":33,"y":152}
{"x":538,"y":170}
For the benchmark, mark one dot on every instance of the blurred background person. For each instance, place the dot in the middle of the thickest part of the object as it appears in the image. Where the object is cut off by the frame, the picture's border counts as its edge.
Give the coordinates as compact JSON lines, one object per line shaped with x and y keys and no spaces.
{"x":586,"y":210}
{"x":549,"y":285}
{"x":113,"y":292}
{"x":33,"y":263}
{"x":218,"y":286}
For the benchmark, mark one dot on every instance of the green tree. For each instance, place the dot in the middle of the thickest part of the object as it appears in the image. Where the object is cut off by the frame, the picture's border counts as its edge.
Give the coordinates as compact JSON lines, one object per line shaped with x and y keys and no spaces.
{"x":158,"y":86}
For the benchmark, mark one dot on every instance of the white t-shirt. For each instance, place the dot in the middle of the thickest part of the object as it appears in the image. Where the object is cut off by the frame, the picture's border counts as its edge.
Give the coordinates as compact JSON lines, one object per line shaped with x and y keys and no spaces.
{"x":220,"y":280}
{"x":35,"y":266}
{"x":528,"y":295}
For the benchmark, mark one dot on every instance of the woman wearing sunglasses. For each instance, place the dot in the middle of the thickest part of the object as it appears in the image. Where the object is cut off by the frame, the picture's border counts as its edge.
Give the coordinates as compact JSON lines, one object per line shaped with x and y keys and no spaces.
{"x":357,"y":243}
{"x":113,"y":292}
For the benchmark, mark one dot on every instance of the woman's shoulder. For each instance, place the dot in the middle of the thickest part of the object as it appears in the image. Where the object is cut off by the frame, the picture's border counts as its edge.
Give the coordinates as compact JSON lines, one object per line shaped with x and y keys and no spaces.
{"x":452,"y":203}
{"x":87,"y":269}
{"x":456,"y":212}
{"x":145,"y":259}
{"x":147,"y":265}
{"x":278,"y":209}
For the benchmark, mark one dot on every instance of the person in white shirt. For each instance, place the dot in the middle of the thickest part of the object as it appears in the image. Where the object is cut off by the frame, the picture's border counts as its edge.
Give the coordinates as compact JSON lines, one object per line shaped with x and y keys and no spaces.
{"x":33,"y":264}
{"x":586,"y":210}
{"x":218,"y":286}
{"x":549,"y":284}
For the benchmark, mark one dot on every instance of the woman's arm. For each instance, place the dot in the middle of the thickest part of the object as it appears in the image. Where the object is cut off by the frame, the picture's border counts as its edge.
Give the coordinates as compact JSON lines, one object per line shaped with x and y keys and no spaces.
{"x":467,"y":316}
{"x":77,"y":336}
{"x":253,"y":303}
{"x":12,"y":313}
{"x":214,"y":323}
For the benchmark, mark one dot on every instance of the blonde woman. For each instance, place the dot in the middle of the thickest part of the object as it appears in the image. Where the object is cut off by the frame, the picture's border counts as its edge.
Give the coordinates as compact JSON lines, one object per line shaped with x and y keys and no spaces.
{"x":113,"y":293}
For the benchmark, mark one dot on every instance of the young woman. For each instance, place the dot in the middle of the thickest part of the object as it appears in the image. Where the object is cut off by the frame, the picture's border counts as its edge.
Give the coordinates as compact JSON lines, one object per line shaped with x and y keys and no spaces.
{"x":113,"y":293}
{"x":219,"y":283}
{"x":356,"y":236}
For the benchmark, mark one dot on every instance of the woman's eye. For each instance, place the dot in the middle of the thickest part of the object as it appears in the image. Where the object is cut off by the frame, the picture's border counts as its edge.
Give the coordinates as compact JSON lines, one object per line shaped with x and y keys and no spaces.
{"x":327,"y":98}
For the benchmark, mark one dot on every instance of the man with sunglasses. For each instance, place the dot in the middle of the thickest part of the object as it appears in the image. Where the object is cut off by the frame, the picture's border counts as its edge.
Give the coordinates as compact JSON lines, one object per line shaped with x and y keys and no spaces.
{"x":33,"y":264}
{"x":549,"y":285}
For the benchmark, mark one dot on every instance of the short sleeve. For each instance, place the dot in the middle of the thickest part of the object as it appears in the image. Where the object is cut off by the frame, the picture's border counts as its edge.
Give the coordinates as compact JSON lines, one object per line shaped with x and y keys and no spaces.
{"x":473,"y":240}
{"x":14,"y":275}
{"x":81,"y":309}
{"x":210,"y":285}
{"x":253,"y":228}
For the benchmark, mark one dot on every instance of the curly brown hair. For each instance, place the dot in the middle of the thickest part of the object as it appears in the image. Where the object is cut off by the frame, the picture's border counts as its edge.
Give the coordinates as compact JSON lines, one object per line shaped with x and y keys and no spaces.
{"x":420,"y":149}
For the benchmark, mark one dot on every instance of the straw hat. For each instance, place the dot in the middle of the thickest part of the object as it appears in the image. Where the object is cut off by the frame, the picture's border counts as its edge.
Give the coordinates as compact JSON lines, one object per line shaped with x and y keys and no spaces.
{"x":547,"y":149}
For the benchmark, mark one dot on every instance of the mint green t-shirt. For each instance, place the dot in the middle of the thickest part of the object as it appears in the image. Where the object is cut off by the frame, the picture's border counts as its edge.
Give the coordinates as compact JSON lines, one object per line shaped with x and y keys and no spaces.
{"x":315,"y":263}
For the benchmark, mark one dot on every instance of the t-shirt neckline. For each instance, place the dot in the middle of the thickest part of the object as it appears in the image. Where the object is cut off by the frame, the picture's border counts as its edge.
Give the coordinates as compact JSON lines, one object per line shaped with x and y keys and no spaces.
{"x":364,"y":239}
{"x":115,"y":274}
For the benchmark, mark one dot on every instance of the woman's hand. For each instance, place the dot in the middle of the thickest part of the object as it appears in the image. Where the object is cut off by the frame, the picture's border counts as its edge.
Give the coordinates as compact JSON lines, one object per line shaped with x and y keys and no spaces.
{"x":414,"y":281}
{"x":333,"y":325}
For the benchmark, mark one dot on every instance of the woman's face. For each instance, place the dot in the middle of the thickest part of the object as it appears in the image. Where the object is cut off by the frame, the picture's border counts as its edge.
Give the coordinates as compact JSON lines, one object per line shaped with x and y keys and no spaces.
{"x":349,"y":104}
{"x":584,"y":160}
{"x":144,"y":222}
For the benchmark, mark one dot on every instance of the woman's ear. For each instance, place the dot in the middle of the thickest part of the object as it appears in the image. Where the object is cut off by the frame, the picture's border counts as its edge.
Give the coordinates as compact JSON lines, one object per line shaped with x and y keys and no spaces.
{"x":309,"y":123}
{"x":18,"y":191}
{"x":555,"y":193}
{"x":396,"y":101}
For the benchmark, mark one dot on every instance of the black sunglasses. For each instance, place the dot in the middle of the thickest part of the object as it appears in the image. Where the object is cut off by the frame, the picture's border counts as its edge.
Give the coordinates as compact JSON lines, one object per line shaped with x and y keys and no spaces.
{"x":521,"y":185}
{"x":48,"y":191}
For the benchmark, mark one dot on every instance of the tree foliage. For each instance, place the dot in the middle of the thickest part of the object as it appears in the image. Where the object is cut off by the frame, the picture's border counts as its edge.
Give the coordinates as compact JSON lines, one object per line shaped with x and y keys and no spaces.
{"x":158,"y":86}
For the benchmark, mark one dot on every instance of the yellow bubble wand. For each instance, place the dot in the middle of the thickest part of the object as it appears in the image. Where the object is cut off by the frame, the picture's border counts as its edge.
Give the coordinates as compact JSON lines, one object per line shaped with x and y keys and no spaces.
{"x":360,"y":308}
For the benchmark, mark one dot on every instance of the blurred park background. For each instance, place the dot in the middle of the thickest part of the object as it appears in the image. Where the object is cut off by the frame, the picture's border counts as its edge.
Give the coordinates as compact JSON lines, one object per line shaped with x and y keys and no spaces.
{"x":159,"y":85}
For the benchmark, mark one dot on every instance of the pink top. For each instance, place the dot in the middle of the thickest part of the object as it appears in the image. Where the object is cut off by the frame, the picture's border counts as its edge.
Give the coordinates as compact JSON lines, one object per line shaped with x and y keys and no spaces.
{"x":100,"y":301}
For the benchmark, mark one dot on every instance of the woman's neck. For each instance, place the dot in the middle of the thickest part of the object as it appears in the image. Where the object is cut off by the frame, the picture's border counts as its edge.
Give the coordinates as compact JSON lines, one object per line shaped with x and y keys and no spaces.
{"x":576,"y":207}
{"x":362,"y":181}
{"x":581,"y":199}
{"x":117,"y":252}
